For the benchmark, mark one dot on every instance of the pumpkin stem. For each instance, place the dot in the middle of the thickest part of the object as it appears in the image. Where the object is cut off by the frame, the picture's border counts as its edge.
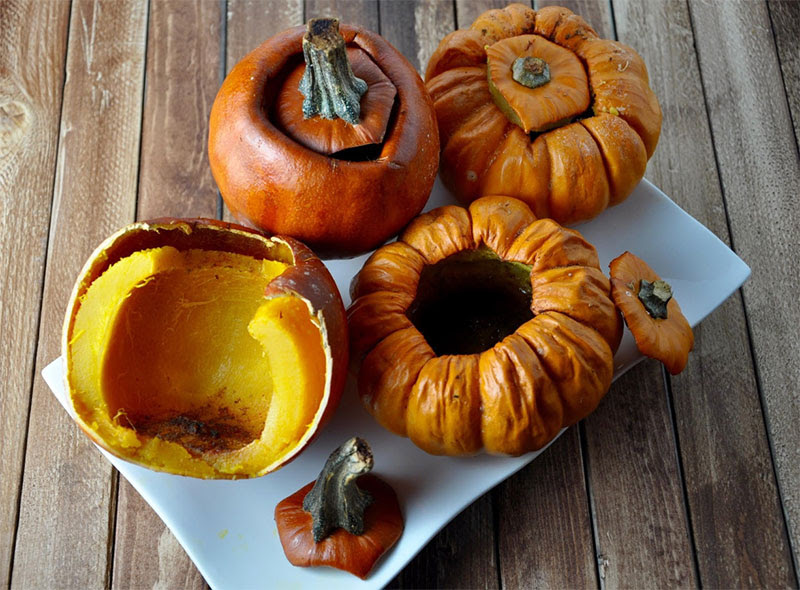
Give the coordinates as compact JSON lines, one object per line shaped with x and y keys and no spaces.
{"x":336,"y":501}
{"x":655,"y":296}
{"x":329,"y":86}
{"x":531,"y":72}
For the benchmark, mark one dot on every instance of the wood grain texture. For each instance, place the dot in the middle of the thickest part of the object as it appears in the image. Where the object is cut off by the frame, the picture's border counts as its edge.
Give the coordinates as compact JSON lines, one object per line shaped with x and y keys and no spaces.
{"x":31,"y":80}
{"x":66,"y":511}
{"x":182,"y":78}
{"x":545,"y":529}
{"x":468,"y":10}
{"x":146,"y":553}
{"x":415,"y":27}
{"x":722,"y":439}
{"x":462,"y":555}
{"x":249,"y":24}
{"x":183,"y":70}
{"x":785,"y":16}
{"x":358,"y":12}
{"x":760,"y":173}
{"x":642,"y":538}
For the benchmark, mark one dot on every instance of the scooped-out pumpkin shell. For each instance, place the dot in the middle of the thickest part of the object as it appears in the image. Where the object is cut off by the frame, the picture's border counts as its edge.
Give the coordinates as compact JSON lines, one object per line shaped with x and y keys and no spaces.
{"x":204,"y":348}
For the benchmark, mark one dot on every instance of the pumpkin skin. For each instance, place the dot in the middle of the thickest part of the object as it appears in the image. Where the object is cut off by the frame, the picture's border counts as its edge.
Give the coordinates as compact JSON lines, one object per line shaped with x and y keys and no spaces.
{"x":312,"y":337}
{"x":669,"y":340}
{"x":357,"y":554}
{"x":336,"y":205}
{"x":514,"y":396}
{"x":565,"y":162}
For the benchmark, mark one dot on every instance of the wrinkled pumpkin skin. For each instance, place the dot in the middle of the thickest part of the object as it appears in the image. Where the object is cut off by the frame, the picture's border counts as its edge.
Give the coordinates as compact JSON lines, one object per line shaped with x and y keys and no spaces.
{"x":577,"y":163}
{"x":516,"y":396}
{"x":305,"y":282}
{"x":337,"y":206}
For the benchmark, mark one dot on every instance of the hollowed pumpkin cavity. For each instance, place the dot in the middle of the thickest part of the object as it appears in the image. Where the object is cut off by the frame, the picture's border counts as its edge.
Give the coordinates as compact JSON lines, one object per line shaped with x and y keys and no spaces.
{"x":182,"y":363}
{"x":470,"y":301}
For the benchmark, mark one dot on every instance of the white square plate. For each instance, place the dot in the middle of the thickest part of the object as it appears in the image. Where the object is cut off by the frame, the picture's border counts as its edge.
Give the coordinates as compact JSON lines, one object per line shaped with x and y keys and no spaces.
{"x":227,"y":527}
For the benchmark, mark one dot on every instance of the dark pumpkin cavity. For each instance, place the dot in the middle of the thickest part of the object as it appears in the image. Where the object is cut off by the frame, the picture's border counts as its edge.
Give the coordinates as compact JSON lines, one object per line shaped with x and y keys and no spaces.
{"x":470,"y":301}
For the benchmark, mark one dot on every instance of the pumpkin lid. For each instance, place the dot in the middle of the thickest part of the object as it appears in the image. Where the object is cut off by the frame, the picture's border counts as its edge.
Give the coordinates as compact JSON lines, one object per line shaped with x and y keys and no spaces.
{"x":338,"y":98}
{"x":651,"y":312}
{"x":537,"y":84}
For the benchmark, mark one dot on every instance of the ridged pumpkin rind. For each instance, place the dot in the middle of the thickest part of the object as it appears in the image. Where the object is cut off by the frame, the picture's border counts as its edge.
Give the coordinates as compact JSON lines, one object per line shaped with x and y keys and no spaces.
{"x":565,"y":173}
{"x":516,"y":396}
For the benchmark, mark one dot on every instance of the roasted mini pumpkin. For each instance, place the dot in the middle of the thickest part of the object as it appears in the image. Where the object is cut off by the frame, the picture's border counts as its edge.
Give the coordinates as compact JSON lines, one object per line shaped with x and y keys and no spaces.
{"x":483,"y":328}
{"x":651,"y":312}
{"x":346,"y":519}
{"x":203,"y":348}
{"x":339,"y":151}
{"x":534,"y":105}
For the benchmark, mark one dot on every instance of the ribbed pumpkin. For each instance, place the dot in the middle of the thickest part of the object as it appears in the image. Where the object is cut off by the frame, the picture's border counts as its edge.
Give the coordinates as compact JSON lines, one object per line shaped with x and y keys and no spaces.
{"x":533,"y":104}
{"x":483,"y":328}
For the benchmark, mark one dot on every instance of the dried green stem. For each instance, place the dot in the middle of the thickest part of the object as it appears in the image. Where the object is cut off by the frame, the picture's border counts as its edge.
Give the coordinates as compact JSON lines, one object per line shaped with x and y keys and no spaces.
{"x":336,"y":501}
{"x":655,"y":296}
{"x":329,"y":86}
{"x":531,"y":72}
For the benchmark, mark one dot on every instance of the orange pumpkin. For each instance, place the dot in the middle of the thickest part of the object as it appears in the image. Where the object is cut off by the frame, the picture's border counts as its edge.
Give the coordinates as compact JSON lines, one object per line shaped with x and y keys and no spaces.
{"x":653,"y":316}
{"x":204,"y":348}
{"x":346,"y":519}
{"x":342,"y":167}
{"x":534,"y":105}
{"x":483,"y":328}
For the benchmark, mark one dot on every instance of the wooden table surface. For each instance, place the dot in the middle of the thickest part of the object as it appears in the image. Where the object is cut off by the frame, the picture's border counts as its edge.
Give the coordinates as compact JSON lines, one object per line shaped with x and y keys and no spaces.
{"x":674,"y":481}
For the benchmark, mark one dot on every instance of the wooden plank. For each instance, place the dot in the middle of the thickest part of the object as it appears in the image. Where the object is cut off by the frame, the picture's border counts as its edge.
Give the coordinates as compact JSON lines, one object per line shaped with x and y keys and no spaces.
{"x":67,"y":504}
{"x":760,"y":173}
{"x":415,"y":27}
{"x":722,"y":439}
{"x":31,"y":80}
{"x":358,"y":12}
{"x":642,"y":538}
{"x":468,"y":10}
{"x":545,"y":529}
{"x":459,"y":556}
{"x":182,"y":78}
{"x":250,"y":23}
{"x":786,"y":28}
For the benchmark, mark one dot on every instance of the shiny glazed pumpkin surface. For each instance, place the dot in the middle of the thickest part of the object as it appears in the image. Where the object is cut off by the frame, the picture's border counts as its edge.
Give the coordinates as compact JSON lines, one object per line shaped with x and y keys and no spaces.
{"x":179,"y":360}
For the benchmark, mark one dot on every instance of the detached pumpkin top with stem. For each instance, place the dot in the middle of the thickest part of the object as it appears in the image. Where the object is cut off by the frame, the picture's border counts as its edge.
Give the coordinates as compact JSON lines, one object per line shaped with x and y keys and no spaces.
{"x":346,"y":519}
{"x":651,"y":312}
{"x":346,"y":98}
